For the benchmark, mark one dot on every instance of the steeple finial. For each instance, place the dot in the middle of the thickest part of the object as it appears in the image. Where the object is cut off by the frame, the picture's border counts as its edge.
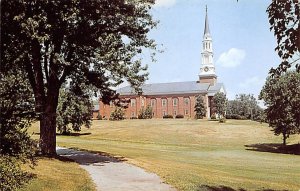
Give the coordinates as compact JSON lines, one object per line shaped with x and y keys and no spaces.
{"x":206,"y":29}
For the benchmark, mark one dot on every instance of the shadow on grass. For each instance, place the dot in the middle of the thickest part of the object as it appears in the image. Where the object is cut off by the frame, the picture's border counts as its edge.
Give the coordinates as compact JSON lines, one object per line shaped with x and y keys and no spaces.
{"x":226,"y":188}
{"x":69,"y":134}
{"x":85,"y":157}
{"x":74,"y":134}
{"x":275,"y":148}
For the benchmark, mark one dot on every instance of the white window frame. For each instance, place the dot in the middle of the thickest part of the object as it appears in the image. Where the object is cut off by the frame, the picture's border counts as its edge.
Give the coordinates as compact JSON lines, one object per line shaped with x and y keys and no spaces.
{"x":186,"y":101}
{"x":175,"y":100}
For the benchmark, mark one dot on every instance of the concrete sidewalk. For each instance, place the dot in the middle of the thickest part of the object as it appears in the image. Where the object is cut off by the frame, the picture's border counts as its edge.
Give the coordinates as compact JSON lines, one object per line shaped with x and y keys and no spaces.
{"x":113,"y":174}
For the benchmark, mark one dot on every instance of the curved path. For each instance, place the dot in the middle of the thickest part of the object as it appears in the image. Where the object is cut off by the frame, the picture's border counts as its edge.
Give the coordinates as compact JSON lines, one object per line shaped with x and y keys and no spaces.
{"x":113,"y":174}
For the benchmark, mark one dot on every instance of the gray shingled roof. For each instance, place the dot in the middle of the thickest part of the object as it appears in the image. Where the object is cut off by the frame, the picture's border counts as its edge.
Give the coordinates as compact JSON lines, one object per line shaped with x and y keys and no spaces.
{"x":173,"y":88}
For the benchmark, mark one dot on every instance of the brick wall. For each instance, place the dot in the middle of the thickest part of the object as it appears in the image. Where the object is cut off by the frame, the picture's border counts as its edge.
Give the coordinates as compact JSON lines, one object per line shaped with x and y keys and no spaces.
{"x":185,"y":105}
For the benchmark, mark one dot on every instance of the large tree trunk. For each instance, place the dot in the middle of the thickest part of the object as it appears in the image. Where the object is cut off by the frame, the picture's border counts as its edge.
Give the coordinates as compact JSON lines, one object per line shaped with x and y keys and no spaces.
{"x":48,"y":123}
{"x":48,"y":134}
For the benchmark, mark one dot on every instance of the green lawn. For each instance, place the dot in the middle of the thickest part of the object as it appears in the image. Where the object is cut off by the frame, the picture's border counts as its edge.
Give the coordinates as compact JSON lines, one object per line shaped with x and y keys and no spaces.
{"x":197,"y":155}
{"x":56,"y":175}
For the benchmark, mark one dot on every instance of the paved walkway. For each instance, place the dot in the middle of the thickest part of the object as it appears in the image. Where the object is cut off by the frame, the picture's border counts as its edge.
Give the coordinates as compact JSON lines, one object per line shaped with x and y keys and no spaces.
{"x":112,"y":174}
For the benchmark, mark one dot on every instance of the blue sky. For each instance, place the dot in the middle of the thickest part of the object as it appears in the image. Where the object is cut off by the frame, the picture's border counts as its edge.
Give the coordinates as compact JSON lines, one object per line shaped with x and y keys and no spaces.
{"x":242,"y":42}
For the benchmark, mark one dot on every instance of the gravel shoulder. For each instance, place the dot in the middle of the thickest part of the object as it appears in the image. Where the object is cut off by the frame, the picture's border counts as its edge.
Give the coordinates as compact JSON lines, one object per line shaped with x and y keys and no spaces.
{"x":112,"y":174}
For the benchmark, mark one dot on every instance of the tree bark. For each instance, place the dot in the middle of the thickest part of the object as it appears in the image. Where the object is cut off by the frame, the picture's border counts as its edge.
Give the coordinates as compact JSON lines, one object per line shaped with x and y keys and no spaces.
{"x":48,"y":122}
{"x":48,"y":134}
{"x":284,"y":139}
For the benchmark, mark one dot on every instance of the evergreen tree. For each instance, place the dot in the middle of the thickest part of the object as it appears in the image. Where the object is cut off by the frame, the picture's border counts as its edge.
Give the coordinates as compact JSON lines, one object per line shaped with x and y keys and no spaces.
{"x":220,"y":103}
{"x":117,"y":114}
{"x":200,"y":108}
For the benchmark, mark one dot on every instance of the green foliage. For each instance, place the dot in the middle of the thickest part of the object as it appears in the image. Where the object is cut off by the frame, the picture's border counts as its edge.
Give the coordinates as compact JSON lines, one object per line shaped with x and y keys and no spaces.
{"x":284,"y":18}
{"x":17,"y":113}
{"x":117,"y":114}
{"x":243,"y":107}
{"x":168,"y":117}
{"x":179,"y":116}
{"x":73,"y":111}
{"x":200,"y":108}
{"x":95,"y":43}
{"x":12,"y":177}
{"x":220,"y":103}
{"x":282,"y":98}
{"x":146,"y":113}
{"x":222,"y":120}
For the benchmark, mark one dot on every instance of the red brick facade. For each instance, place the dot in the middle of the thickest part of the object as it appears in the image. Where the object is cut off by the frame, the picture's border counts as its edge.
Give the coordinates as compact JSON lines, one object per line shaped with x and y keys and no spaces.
{"x":176,"y":104}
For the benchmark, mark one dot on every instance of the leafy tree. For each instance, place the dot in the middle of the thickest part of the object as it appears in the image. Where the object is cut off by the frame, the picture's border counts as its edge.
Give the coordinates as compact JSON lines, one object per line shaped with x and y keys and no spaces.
{"x":245,"y":106}
{"x":284,"y":18}
{"x":92,"y":42}
{"x":220,"y":102}
{"x":282,"y":98}
{"x":16,"y":146}
{"x":73,"y":110}
{"x":117,"y":114}
{"x":200,"y":108}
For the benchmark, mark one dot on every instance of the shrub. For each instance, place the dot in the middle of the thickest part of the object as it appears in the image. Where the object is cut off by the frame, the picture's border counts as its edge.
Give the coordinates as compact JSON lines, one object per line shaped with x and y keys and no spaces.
{"x":12,"y":176}
{"x":99,"y":117}
{"x":213,"y":116}
{"x":234,"y":116}
{"x":179,"y":116}
{"x":133,"y":117}
{"x":222,"y":120}
{"x":168,"y":117}
{"x":117,"y":114}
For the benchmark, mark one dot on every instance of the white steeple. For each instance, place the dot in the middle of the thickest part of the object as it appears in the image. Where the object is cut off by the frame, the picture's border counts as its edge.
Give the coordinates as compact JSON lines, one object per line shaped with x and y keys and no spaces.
{"x":207,"y":66}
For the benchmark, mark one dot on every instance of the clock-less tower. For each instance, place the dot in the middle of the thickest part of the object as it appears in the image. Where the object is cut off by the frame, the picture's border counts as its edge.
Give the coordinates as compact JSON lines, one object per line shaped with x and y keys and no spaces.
{"x":207,"y":69}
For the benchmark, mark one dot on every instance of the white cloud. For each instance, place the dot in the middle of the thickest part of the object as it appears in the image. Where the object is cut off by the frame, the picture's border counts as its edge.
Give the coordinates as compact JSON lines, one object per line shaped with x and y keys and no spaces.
{"x":164,"y":3}
{"x":252,"y":82}
{"x":232,"y":58}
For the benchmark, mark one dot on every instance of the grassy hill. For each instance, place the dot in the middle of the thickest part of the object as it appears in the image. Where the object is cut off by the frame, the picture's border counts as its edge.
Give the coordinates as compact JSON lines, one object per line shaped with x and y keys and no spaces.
{"x":198,"y":155}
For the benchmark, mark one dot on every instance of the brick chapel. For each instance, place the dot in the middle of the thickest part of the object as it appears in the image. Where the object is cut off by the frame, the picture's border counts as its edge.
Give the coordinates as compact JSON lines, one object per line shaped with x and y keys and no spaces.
{"x":174,"y":98}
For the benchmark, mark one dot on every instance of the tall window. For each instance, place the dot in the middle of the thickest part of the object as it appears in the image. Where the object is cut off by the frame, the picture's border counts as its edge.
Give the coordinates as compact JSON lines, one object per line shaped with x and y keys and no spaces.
{"x":164,"y":102}
{"x":175,"y":113}
{"x":186,"y":101}
{"x":132,"y":102}
{"x":153,"y":102}
{"x":142,"y":102}
{"x":175,"y":102}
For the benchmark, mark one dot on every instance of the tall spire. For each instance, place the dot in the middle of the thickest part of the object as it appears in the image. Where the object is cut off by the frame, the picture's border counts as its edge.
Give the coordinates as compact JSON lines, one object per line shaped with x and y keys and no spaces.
{"x":206,"y":29}
{"x":207,"y":68}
